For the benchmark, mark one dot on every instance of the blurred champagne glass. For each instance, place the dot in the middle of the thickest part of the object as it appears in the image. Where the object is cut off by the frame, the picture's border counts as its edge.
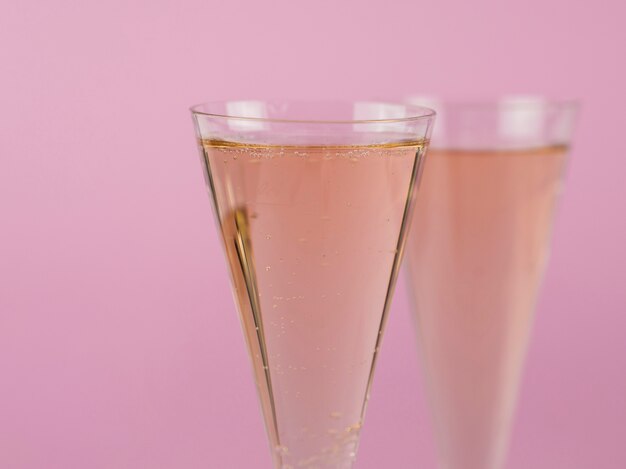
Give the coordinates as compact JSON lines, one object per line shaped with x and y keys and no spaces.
{"x":476,"y":257}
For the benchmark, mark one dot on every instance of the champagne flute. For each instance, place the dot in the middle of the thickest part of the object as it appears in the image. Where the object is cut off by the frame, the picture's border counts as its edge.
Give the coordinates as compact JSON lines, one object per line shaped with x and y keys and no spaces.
{"x":476,"y":257}
{"x":312,"y":201}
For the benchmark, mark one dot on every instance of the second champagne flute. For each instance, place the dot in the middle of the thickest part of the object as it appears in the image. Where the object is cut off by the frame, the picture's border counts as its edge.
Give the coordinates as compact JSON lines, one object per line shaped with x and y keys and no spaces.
{"x":477,"y":254}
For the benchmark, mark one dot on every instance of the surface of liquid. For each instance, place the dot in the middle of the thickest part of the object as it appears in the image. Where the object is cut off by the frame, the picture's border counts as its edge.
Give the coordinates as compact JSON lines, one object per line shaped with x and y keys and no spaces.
{"x":476,"y":253}
{"x":313,"y":238}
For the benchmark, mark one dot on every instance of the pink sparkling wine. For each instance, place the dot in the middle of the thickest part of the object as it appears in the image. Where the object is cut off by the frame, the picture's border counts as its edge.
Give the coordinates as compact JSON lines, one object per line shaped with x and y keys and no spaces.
{"x":313,"y":236}
{"x":476,"y":253}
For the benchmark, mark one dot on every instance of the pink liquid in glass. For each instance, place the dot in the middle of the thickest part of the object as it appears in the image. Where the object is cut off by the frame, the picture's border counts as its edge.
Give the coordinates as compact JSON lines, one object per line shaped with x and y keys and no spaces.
{"x":313,"y":236}
{"x":477,"y":252}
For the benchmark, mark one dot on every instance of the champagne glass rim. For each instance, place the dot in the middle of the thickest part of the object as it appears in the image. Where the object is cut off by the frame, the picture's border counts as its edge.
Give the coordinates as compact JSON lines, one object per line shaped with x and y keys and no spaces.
{"x":500,"y":103}
{"x":411,"y":112}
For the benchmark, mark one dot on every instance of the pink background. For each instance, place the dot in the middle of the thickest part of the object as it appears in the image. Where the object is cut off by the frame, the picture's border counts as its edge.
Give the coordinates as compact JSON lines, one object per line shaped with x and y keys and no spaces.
{"x":119,"y":343}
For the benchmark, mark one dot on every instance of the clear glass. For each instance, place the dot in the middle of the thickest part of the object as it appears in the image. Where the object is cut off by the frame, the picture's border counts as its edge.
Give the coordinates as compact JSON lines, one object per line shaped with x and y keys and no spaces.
{"x":312,"y":201}
{"x":476,"y":256}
